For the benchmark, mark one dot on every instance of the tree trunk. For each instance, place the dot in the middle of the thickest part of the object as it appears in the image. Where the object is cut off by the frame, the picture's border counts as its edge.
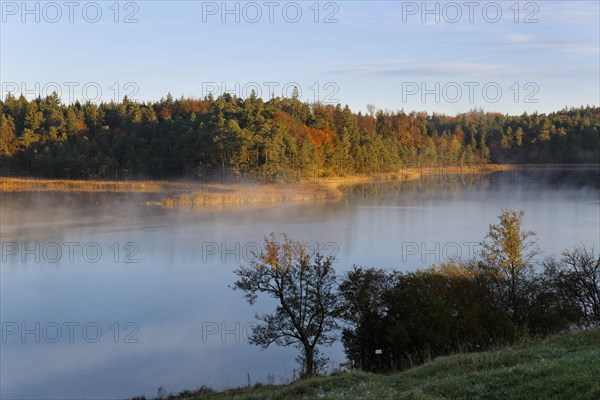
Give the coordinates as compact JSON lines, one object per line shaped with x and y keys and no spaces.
{"x":309,"y":367}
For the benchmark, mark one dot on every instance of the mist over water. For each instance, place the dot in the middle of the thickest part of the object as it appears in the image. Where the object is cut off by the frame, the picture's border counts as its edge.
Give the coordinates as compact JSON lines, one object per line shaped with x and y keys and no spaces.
{"x":162,"y":277}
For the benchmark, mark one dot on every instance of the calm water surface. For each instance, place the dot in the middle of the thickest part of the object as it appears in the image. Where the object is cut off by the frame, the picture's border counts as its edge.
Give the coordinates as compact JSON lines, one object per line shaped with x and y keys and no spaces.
{"x":124,"y":298}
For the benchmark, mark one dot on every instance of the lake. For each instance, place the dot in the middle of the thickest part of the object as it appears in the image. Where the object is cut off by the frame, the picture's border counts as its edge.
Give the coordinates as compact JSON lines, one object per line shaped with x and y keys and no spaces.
{"x":103,"y":296}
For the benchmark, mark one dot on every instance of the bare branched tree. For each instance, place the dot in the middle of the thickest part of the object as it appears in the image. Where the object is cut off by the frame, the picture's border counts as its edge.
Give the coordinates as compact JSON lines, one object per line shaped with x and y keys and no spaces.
{"x":580,"y":274}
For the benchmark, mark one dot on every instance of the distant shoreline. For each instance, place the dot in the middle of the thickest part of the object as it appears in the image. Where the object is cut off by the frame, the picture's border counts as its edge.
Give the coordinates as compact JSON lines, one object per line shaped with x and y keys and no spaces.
{"x":193,"y":194}
{"x":27,"y":184}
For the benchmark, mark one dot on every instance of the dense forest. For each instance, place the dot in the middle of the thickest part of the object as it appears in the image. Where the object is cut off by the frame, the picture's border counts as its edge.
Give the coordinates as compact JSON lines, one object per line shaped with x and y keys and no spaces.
{"x":280,"y":139}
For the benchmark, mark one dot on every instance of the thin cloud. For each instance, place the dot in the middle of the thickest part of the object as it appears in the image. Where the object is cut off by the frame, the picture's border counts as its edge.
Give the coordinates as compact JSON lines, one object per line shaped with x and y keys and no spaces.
{"x":576,"y":12}
{"x":517,"y":41}
{"x":433,"y":68}
{"x":518,"y":38}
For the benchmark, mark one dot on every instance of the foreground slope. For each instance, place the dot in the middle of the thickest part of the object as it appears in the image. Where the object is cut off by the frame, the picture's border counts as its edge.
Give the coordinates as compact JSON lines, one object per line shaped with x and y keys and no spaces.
{"x":562,"y":367}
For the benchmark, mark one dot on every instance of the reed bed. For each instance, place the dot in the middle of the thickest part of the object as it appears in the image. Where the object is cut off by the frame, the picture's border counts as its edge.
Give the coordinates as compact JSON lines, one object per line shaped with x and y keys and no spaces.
{"x":197,"y":195}
{"x":65,"y":185}
{"x":216,"y":195}
{"x":418,"y":173}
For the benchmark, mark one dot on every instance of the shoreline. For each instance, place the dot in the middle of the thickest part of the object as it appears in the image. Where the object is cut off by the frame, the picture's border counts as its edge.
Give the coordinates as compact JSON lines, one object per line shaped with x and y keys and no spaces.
{"x":27,"y":184}
{"x":198,"y":195}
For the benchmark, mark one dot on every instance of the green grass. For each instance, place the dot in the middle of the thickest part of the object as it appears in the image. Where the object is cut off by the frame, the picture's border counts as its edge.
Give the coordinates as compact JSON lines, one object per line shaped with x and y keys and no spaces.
{"x":562,"y":367}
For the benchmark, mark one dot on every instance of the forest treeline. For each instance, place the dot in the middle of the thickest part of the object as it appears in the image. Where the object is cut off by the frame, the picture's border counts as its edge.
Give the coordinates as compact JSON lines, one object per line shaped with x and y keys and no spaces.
{"x":280,"y":139}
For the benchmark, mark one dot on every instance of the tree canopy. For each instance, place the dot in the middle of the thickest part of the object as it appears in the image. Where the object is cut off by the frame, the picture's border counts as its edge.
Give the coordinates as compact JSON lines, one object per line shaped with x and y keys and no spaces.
{"x":278,"y":139}
{"x":304,"y":286}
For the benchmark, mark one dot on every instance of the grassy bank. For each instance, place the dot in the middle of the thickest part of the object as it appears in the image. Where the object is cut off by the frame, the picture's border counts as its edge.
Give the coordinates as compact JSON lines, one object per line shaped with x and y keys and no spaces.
{"x":562,"y":367}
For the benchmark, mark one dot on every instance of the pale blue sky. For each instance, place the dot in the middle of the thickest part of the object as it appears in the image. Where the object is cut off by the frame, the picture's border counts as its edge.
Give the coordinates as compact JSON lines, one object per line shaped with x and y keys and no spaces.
{"x":379,"y":52}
